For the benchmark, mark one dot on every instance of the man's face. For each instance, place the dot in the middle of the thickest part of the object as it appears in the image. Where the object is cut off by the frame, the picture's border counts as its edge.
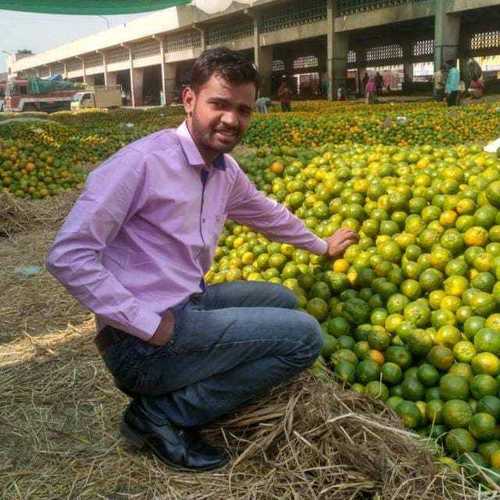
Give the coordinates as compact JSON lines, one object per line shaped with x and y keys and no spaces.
{"x":219,"y":113}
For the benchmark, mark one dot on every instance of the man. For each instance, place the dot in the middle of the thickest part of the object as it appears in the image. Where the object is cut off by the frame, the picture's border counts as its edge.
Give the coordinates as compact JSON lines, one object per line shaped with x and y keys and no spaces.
{"x":452,"y":83}
{"x":439,"y":79}
{"x":364,"y":82}
{"x":135,"y":248}
{"x":285,"y":95}
{"x":379,"y":83}
{"x":262,"y":104}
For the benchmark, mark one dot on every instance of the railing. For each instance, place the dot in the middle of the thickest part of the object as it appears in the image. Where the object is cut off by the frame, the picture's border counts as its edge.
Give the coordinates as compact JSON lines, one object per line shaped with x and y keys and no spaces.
{"x":225,"y":33}
{"x":423,"y":48}
{"x":296,"y":15}
{"x":346,"y":7}
{"x":183,"y":41}
{"x":485,"y":40}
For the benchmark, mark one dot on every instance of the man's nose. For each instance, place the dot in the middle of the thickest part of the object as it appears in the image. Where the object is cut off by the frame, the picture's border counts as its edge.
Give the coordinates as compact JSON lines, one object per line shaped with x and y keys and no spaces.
{"x":230,"y":119}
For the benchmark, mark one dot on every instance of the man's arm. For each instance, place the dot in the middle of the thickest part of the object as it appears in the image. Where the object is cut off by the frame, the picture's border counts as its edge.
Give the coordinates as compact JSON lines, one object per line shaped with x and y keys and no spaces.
{"x":249,"y":206}
{"x":113,"y":193}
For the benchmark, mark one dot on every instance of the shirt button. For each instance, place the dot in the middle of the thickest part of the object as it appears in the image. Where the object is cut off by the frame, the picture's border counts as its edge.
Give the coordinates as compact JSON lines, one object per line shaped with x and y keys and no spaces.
{"x":203,"y":220}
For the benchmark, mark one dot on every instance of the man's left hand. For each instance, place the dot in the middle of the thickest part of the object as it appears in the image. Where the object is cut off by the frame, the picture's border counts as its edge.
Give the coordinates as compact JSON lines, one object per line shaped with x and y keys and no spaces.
{"x":340,"y":241}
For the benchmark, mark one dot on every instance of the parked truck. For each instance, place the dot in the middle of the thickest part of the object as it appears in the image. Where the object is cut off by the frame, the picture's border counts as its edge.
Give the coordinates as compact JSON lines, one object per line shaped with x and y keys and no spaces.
{"x":54,"y":94}
{"x":36,"y":94}
{"x":98,"y":96}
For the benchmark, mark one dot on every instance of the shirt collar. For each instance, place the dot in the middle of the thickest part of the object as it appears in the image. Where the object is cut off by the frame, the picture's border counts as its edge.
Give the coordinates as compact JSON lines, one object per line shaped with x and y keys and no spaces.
{"x":191,"y":151}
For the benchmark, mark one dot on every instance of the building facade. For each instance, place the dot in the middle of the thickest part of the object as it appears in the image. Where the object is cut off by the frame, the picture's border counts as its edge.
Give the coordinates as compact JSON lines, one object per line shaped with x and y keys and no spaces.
{"x":319,"y":42}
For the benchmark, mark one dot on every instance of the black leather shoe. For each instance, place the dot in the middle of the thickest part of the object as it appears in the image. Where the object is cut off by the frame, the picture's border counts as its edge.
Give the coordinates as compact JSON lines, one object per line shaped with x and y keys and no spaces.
{"x":179,"y":448}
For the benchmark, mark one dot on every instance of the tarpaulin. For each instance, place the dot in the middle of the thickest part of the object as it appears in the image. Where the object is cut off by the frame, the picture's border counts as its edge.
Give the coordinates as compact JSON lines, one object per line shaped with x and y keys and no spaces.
{"x":89,"y":7}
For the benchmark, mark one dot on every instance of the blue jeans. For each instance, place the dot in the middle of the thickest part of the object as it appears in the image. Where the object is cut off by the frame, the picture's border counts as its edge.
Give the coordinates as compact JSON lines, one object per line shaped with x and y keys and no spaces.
{"x":231,"y":344}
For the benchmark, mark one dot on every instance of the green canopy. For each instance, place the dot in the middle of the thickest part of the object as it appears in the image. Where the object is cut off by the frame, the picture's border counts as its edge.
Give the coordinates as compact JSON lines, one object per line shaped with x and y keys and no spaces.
{"x":89,"y":7}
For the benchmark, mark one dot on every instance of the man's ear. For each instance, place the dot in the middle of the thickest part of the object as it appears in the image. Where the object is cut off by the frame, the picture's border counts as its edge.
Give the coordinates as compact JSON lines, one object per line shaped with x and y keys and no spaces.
{"x":188,"y":99}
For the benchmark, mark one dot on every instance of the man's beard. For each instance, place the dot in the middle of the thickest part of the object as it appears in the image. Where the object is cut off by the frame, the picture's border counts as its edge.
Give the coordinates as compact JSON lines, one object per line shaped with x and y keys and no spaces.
{"x":203,"y":136}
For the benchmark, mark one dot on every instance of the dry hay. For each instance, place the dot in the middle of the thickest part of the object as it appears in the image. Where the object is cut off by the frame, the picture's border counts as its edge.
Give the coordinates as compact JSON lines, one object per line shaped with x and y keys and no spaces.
{"x":36,"y":305}
{"x":20,"y":215}
{"x":59,"y":416}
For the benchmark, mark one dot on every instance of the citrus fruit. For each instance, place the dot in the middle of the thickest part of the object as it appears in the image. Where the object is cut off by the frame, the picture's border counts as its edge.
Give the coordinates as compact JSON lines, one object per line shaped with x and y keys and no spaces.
{"x":459,"y":441}
{"x":486,"y":362}
{"x":453,"y":387}
{"x":377,"y":390}
{"x":391,"y":373}
{"x":491,"y":405}
{"x":412,"y":389}
{"x":428,"y":375}
{"x":345,"y":371}
{"x":410,"y":414}
{"x":441,"y":357}
{"x":318,"y":308}
{"x":487,"y":340}
{"x":367,"y":371}
{"x":482,"y":426}
{"x":456,"y":413}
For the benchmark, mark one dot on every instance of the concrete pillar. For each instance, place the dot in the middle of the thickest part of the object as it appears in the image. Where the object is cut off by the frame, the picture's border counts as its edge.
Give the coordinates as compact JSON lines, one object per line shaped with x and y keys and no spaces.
{"x":136,"y":79}
{"x":203,"y":37}
{"x":163,"y":92}
{"x":446,"y":33}
{"x":65,"y":70}
{"x":407,"y":65}
{"x":84,"y":69}
{"x":136,"y":83}
{"x":105,"y":67}
{"x":264,"y":63}
{"x":337,"y":47}
{"x":408,"y":59}
{"x":263,"y":58}
{"x":169,"y":81}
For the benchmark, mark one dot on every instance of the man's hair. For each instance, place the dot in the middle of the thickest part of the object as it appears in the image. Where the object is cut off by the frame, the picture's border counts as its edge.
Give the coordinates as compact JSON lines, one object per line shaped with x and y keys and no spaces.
{"x":451,"y":62}
{"x":226,"y":63}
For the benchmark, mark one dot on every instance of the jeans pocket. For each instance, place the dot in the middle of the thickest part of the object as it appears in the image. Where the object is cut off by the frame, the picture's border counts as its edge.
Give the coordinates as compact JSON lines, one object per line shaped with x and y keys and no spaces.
{"x":144,"y":348}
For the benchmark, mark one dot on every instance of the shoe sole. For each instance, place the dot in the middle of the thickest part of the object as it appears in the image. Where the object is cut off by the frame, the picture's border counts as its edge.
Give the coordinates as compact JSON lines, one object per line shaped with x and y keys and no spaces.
{"x":141,"y":442}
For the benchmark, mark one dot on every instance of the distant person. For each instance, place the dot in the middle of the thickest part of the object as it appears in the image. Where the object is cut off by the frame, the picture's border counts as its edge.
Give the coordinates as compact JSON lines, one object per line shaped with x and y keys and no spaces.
{"x":452,"y":83}
{"x":439,"y":82}
{"x":476,"y":88}
{"x":365,"y":81}
{"x":341,"y":94}
{"x":461,"y":91}
{"x":472,"y":71}
{"x":285,"y":95}
{"x":371,"y":91}
{"x":379,"y":83}
{"x":262,"y":104}
{"x":324,"y":85}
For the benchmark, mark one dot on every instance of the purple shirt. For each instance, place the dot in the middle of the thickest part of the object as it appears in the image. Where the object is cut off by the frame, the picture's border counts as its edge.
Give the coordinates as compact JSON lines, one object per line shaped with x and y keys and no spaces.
{"x":144,"y":231}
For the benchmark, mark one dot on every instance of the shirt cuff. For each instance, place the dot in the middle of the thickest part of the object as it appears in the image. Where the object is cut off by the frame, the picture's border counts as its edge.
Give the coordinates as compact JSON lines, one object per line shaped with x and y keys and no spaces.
{"x":319,"y":247}
{"x":145,"y":325}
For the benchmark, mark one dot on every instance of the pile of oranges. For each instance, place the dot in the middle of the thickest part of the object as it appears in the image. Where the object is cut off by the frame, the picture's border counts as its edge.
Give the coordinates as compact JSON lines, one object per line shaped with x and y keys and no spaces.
{"x":410,"y":314}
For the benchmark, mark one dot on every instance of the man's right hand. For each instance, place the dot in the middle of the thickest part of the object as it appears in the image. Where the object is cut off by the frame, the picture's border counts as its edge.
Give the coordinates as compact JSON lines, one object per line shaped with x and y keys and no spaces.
{"x":165,"y":330}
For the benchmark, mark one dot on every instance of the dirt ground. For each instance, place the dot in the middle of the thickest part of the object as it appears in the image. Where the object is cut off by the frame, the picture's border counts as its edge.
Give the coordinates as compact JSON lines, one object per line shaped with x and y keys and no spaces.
{"x":59,"y":417}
